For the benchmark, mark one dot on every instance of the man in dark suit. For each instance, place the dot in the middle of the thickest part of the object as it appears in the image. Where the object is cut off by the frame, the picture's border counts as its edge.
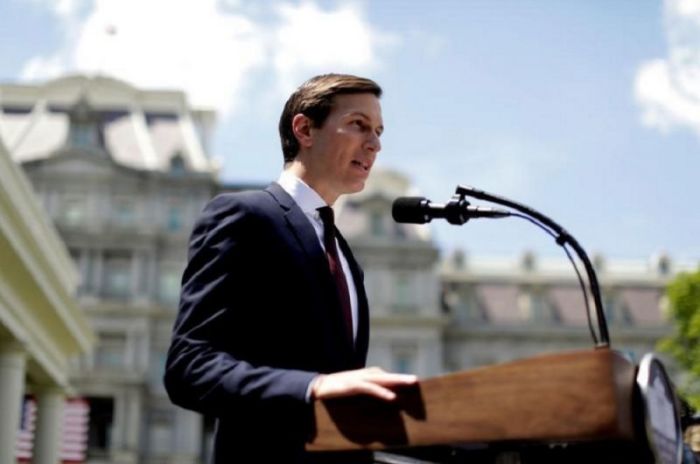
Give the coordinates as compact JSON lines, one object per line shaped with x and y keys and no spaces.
{"x":273,"y":312}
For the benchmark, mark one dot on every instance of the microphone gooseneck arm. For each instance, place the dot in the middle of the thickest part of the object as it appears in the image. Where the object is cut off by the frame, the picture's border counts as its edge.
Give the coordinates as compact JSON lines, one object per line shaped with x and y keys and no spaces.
{"x":562,"y":238}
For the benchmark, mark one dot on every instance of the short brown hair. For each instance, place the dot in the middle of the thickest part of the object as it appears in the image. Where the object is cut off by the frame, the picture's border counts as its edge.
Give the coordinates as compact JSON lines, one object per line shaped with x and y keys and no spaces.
{"x":314,"y":99}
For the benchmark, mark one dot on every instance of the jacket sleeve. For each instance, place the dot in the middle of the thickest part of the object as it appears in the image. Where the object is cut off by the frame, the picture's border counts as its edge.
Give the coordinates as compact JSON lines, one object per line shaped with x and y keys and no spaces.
{"x":202,"y":373}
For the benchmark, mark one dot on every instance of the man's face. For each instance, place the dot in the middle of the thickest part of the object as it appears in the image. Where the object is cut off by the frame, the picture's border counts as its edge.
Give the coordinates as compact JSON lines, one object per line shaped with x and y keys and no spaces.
{"x":342,"y":151}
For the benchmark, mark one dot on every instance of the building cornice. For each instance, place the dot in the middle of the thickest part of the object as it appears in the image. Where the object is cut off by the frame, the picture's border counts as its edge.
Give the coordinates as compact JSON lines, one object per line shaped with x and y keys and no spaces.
{"x":99,"y":91}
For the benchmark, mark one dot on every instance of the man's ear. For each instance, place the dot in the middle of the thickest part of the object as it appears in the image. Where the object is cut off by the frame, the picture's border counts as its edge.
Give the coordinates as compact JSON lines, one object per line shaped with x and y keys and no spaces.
{"x":301,"y":126}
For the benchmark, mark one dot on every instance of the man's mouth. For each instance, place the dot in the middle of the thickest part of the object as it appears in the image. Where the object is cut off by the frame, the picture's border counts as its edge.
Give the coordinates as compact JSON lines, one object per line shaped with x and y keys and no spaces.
{"x":360,"y":164}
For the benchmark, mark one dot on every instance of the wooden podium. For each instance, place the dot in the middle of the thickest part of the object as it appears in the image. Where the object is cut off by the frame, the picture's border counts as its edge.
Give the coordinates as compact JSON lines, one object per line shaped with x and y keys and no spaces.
{"x":571,"y":397}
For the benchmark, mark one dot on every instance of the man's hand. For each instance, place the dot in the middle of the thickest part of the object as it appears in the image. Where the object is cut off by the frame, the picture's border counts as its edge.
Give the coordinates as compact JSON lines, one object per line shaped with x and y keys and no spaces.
{"x":371,"y":381}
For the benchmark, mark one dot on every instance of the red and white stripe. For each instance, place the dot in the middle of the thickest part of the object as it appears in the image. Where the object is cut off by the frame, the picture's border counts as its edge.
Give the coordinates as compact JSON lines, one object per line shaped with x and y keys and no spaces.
{"x":25,"y":436}
{"x":74,"y":430}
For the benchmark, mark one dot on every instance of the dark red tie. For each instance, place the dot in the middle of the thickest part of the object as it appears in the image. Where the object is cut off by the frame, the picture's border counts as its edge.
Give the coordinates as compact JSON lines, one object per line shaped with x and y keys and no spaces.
{"x":326,"y":214}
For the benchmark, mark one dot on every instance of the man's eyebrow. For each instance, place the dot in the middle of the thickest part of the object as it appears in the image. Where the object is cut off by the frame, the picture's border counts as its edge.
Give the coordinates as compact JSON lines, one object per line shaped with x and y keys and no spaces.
{"x":358,"y":113}
{"x":365,"y":116}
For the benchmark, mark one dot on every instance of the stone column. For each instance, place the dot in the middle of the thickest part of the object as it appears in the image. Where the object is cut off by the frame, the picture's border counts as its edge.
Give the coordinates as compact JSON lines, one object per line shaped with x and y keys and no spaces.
{"x":98,"y":256}
{"x":134,"y":274}
{"x":125,"y":428}
{"x":47,"y":438}
{"x":133,"y":418}
{"x":187,"y":430}
{"x":118,"y":421}
{"x":13,"y":363}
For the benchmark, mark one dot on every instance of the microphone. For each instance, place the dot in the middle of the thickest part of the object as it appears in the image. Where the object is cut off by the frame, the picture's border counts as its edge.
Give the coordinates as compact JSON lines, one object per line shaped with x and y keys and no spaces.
{"x":419,"y":210}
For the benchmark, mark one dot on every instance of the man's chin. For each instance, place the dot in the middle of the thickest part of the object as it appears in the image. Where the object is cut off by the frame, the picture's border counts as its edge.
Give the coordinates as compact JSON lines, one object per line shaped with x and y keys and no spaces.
{"x":357,"y":187}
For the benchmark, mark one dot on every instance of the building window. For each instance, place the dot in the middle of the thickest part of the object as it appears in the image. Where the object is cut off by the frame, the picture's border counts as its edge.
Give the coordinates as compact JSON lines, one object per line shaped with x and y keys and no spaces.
{"x":403,"y":358}
{"x":624,"y":316}
{"x":161,"y":432}
{"x":537,"y":307}
{"x":542,"y":310}
{"x":75,"y":256}
{"x":84,"y":264}
{"x":399,"y":231}
{"x":117,"y":275}
{"x":143,"y":282}
{"x":404,"y":301}
{"x":615,"y":309}
{"x":610,"y":307}
{"x":88,"y":271}
{"x":100,"y":426}
{"x":84,"y":134}
{"x":377,"y":224}
{"x":157,"y":368}
{"x":177,"y":164}
{"x":174,"y":219}
{"x":124,"y":212}
{"x":111,"y":350}
{"x":169,"y":287}
{"x":73,"y":210}
{"x":462,"y":302}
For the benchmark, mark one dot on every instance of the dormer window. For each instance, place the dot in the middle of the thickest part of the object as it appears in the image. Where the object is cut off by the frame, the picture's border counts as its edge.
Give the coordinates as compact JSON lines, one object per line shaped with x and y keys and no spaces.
{"x":377,"y":224}
{"x":84,"y":135}
{"x":84,"y":128}
{"x":177,"y":164}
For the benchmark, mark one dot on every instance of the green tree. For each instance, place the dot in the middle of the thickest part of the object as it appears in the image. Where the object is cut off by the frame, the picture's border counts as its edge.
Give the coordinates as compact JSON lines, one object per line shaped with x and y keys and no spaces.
{"x":684,"y":344}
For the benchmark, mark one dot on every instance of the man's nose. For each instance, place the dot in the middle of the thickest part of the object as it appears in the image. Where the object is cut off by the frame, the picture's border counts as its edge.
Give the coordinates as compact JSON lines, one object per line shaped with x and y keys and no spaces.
{"x":374,"y":144}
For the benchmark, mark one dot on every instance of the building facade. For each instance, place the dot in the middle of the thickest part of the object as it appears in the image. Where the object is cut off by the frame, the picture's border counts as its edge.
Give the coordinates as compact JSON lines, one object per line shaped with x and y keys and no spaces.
{"x":122,"y":173}
{"x":502,"y":309}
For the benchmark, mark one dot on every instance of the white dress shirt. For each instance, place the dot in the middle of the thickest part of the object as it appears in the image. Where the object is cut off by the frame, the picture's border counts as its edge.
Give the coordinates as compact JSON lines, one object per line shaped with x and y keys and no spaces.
{"x":309,"y":201}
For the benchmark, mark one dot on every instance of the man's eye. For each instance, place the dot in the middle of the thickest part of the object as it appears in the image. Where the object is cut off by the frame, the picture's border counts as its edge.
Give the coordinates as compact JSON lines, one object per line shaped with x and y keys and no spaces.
{"x":359,"y":124}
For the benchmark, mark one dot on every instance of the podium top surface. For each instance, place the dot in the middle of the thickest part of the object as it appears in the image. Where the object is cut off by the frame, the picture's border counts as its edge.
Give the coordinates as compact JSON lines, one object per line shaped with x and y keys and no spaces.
{"x":562,"y":397}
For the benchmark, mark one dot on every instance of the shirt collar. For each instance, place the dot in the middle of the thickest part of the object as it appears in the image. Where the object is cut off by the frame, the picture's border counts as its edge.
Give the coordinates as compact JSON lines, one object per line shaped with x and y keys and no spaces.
{"x":303,"y":195}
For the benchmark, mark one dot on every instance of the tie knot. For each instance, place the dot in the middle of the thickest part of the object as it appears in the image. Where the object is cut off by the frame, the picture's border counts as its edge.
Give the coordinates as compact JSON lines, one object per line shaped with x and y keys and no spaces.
{"x":326,"y":214}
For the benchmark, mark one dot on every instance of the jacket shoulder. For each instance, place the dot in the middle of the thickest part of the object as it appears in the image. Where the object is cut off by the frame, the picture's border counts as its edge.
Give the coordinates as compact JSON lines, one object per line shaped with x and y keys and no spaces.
{"x":248,"y":200}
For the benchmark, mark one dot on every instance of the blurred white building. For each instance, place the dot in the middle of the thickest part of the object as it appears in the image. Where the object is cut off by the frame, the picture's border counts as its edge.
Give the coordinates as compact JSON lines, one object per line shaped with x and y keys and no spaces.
{"x":501,"y":309}
{"x":122,"y":172}
{"x":41,"y":326}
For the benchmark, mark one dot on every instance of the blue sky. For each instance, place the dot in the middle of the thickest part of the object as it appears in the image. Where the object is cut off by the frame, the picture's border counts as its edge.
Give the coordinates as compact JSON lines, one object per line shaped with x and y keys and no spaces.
{"x":587,"y":111}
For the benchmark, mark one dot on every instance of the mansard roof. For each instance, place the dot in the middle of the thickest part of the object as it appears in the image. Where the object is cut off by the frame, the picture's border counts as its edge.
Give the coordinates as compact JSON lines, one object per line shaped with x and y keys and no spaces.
{"x":504,"y":291}
{"x":140,"y":129}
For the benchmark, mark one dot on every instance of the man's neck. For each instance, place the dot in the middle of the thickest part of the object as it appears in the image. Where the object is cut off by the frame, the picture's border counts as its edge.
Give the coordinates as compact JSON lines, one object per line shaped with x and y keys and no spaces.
{"x":298,"y":169}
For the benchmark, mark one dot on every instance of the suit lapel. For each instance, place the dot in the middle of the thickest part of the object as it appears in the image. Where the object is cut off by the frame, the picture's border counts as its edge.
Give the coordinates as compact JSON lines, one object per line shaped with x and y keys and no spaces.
{"x":301,"y":228}
{"x":307,"y":239}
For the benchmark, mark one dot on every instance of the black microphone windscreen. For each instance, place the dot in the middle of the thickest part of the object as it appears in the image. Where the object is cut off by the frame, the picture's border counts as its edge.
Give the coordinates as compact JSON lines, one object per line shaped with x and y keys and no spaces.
{"x":410,"y":210}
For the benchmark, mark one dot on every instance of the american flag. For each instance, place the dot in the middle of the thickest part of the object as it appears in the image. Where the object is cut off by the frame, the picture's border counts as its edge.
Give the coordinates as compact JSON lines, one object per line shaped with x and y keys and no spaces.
{"x":74,"y":433}
{"x":25,"y":436}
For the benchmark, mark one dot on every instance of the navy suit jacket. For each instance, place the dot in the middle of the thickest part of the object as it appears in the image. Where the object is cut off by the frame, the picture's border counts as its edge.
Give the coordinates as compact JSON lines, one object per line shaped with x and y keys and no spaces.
{"x":259,"y":318}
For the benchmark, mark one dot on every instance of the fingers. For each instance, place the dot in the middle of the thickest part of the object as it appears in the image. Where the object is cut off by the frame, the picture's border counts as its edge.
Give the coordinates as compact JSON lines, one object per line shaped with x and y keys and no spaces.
{"x":371,"y":381}
{"x":389,"y":379}
{"x":377,"y":391}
